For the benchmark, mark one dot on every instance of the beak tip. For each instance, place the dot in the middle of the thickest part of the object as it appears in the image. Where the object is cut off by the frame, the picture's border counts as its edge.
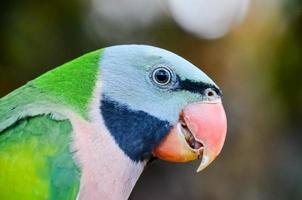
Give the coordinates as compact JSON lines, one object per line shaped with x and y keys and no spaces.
{"x":204,"y":163}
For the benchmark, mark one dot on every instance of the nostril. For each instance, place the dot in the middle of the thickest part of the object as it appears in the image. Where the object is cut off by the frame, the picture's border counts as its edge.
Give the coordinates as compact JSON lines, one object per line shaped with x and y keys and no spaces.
{"x":210,"y":93}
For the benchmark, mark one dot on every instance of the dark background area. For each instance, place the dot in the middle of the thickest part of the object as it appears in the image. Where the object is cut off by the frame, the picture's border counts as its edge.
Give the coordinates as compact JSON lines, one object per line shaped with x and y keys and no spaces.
{"x":257,"y":65}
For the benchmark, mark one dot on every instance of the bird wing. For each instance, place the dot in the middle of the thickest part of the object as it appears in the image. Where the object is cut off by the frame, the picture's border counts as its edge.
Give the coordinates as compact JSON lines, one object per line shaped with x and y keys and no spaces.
{"x":36,"y":159}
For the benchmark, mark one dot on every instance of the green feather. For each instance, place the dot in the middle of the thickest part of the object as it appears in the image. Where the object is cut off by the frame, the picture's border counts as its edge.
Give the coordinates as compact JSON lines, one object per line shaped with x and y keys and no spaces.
{"x":73,"y":82}
{"x":35,"y":138}
{"x":69,"y":86}
{"x":36,"y":162}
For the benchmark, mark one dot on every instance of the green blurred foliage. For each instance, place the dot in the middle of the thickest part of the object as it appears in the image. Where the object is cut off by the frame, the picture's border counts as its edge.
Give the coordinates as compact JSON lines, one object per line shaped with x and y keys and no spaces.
{"x":288,"y":65}
{"x":37,"y":35}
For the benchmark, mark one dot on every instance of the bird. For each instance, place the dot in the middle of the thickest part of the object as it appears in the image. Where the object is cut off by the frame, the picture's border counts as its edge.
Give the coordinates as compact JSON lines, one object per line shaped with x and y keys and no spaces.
{"x":87,"y":129}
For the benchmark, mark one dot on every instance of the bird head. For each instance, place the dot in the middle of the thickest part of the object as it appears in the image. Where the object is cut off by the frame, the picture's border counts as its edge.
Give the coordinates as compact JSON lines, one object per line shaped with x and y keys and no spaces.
{"x":155,"y":103}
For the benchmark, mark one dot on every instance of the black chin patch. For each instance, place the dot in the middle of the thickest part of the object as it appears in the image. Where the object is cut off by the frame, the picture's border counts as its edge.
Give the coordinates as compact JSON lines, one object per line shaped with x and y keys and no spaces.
{"x":136,"y":132}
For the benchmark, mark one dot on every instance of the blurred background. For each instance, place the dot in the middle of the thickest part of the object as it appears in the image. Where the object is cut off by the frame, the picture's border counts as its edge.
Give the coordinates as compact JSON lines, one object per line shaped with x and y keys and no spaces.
{"x":252,"y":49}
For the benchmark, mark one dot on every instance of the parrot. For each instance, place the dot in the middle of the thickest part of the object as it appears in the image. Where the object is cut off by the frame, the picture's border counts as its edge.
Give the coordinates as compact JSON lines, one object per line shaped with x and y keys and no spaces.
{"x":87,"y":129}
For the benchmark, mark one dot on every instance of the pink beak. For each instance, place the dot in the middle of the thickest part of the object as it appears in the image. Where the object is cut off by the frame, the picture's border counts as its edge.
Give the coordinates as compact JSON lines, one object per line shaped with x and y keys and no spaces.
{"x":199,"y":133}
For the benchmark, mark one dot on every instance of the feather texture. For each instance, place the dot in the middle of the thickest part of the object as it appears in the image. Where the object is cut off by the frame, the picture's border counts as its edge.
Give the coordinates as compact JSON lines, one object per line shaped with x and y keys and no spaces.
{"x":36,"y":132}
{"x":36,"y":162}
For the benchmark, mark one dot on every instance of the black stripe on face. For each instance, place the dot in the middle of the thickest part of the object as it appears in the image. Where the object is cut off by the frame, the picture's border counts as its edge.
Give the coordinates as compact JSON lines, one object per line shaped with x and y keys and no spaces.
{"x":196,"y":87}
{"x":136,"y":132}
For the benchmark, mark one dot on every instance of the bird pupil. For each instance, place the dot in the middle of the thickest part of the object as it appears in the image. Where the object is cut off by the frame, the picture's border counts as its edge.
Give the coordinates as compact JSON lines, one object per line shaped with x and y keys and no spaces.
{"x":162,"y":76}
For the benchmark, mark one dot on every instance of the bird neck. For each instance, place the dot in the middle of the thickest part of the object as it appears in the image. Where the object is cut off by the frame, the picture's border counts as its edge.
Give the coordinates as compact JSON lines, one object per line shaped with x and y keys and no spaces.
{"x":107,"y":173}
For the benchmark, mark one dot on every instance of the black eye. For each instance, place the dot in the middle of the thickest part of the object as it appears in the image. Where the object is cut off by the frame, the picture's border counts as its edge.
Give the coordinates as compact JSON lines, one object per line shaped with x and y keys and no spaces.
{"x":162,"y":76}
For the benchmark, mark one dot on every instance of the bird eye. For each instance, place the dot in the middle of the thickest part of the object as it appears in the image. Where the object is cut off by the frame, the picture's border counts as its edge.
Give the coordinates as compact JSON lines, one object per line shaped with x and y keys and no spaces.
{"x":162,"y":76}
